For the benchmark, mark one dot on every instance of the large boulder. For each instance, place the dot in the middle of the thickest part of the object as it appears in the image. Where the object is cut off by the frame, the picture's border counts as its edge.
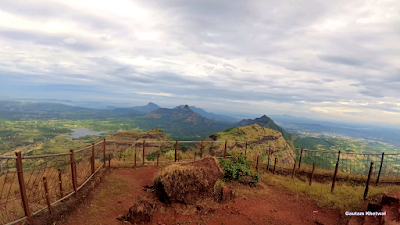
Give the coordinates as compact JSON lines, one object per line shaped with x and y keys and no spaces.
{"x":141,"y":212}
{"x":374,"y":207}
{"x":224,"y":194}
{"x":186,"y":183}
{"x":389,"y":200}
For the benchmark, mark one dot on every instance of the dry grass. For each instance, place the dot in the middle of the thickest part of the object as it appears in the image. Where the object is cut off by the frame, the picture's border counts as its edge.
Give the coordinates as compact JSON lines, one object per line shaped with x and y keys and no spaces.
{"x":251,"y":192}
{"x":10,"y":201}
{"x":178,"y":180}
{"x":346,"y":197}
{"x":115,"y":186}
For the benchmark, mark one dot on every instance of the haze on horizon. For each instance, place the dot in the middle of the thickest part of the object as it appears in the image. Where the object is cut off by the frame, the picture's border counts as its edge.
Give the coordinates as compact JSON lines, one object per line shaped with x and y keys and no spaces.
{"x":316,"y":59}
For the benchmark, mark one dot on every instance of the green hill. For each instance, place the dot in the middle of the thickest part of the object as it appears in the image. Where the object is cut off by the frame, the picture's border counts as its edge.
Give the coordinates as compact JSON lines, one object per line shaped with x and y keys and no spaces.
{"x":267,"y":122}
{"x":258,"y":140}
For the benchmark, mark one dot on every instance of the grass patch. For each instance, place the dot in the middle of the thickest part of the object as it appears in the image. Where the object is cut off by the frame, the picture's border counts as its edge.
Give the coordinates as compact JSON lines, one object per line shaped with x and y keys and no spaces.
{"x":346,"y":196}
{"x":244,"y":191}
{"x":115,"y":186}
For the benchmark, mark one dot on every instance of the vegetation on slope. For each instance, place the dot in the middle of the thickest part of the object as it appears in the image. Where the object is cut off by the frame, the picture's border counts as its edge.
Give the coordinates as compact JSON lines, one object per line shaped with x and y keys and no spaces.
{"x":346,"y":197}
{"x":238,"y":169}
{"x":267,"y":122}
{"x":258,"y":139}
{"x":348,"y":145}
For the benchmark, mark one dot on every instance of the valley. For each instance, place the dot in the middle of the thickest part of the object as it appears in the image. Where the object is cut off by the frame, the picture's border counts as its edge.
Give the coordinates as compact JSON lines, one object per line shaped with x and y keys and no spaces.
{"x":30,"y":126}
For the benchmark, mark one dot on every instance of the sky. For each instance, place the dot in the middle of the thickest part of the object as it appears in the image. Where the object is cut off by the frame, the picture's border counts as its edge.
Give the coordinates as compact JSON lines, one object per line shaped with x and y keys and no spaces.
{"x":336,"y":60}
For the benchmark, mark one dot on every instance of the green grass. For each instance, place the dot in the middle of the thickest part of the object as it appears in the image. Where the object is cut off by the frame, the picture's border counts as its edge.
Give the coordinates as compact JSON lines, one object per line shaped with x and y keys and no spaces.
{"x":346,"y":197}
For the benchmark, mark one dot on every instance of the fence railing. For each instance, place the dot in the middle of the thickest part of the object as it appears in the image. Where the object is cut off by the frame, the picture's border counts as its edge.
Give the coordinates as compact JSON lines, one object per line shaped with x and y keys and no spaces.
{"x":32,"y":184}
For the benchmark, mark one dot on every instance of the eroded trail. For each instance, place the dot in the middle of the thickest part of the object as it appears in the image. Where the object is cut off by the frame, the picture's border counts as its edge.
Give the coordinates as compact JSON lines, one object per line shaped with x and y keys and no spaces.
{"x":123,"y":187}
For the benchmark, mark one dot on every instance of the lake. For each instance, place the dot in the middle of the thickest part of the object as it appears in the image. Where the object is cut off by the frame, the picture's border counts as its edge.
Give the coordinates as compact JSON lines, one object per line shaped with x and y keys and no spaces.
{"x":81,"y":132}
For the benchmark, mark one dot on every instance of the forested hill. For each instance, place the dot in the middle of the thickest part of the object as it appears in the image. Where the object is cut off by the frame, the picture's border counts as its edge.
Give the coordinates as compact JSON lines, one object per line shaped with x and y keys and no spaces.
{"x":180,"y":123}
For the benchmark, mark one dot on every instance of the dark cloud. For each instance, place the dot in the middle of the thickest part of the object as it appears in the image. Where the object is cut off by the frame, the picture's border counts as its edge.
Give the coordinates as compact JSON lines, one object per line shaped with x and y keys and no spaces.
{"x":340,"y":60}
{"x":371,"y":93}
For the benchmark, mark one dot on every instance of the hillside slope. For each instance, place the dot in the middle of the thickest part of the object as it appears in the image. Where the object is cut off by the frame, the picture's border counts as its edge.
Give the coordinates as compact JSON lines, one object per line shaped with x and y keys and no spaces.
{"x":267,"y":122}
{"x":258,"y":139}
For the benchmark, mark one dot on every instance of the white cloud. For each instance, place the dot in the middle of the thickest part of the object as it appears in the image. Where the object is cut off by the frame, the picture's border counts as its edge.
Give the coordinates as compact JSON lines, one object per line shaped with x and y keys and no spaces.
{"x":70,"y":41}
{"x":329,"y":58}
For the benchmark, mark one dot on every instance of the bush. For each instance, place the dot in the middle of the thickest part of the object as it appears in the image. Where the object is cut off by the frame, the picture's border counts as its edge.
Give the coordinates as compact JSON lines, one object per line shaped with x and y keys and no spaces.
{"x":152,"y":156}
{"x":171,"y":155}
{"x":238,"y":169}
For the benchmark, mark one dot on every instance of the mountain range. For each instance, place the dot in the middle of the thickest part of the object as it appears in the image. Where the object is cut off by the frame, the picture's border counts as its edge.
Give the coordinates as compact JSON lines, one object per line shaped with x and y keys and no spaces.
{"x":181,"y":121}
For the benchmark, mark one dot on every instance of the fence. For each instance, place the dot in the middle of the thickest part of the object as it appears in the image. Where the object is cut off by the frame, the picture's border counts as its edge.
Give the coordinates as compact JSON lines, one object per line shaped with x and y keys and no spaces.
{"x":353,"y":166}
{"x":32,"y":184}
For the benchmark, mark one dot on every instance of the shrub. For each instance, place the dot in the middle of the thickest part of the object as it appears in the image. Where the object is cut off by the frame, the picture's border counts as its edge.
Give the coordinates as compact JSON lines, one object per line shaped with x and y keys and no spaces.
{"x":171,"y":155}
{"x":238,"y":169}
{"x":152,"y":156}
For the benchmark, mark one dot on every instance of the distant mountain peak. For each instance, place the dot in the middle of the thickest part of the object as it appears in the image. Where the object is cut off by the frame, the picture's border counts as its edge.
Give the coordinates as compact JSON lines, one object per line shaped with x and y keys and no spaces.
{"x":208,"y":115}
{"x":186,"y":107}
{"x":146,"y":109}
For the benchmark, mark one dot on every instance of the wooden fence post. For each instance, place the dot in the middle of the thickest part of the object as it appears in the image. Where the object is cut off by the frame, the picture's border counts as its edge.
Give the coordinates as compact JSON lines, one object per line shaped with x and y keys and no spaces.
{"x":335,"y":174}
{"x":269,"y":153}
{"x":135,"y":159}
{"x":158,"y":157}
{"x":334,"y":177}
{"x":257,"y":163}
{"x":60,"y":183}
{"x":301,"y":156}
{"x":245,"y":150}
{"x":369,"y":178}
{"x":312,"y":173}
{"x":201,"y":153}
{"x":104,"y":153}
{"x":73,"y":172}
{"x":109,"y":161}
{"x":176,"y":149}
{"x":92,"y":159}
{"x":274,"y":166}
{"x":46,"y":191}
{"x":225,"y":149}
{"x":144,"y":148}
{"x":22,"y":187}
{"x":294,"y":169}
{"x":380,"y":169}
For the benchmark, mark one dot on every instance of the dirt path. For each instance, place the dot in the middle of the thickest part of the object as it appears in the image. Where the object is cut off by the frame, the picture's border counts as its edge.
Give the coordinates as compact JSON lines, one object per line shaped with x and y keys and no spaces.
{"x":123,"y":187}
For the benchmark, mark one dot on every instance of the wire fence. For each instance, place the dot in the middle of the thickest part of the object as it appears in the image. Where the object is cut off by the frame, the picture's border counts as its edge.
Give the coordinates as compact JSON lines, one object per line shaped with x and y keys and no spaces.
{"x":350,"y":165}
{"x":32,"y":184}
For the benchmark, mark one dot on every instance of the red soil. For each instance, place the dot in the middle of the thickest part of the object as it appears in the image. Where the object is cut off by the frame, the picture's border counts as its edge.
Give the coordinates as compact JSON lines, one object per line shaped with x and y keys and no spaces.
{"x":279,"y":207}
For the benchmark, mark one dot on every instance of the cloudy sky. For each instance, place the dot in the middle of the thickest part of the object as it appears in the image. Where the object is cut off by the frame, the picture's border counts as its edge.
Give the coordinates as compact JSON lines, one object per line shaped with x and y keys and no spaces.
{"x":317,"y":59}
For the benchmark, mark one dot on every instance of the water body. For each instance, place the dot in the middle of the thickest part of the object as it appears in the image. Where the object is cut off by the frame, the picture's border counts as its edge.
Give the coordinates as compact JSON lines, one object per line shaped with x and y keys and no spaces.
{"x":81,"y":132}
